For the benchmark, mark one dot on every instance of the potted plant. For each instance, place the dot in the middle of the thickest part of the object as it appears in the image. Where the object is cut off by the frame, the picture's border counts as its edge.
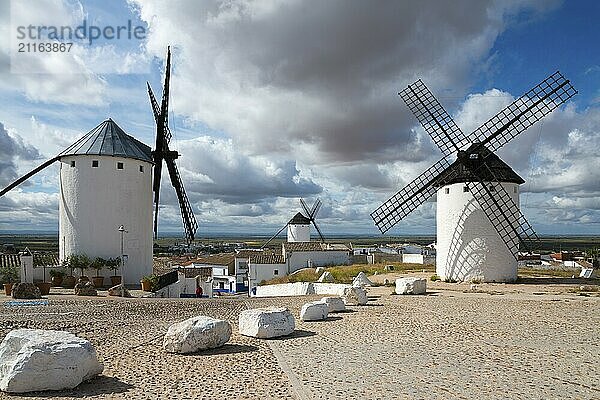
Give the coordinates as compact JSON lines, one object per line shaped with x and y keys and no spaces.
{"x":8,"y":276}
{"x":113,"y":264}
{"x":149,"y":283}
{"x":56,"y":276}
{"x":97,"y":264}
{"x":44,"y":285}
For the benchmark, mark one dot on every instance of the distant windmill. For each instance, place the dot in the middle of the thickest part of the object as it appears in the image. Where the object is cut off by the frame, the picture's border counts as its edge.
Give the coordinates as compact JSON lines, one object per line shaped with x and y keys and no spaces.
{"x":476,"y":185}
{"x":299,"y":226}
{"x":162,"y":152}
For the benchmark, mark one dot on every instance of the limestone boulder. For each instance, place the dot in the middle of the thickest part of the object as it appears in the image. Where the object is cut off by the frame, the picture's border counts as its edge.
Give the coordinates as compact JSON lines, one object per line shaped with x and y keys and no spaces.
{"x":26,"y":290}
{"x":118,"y":291}
{"x":266,"y":323}
{"x":335,"y":304}
{"x":196,"y":334}
{"x":314,"y":311}
{"x":326,"y":277}
{"x":361,"y":280}
{"x":355,"y":296}
{"x":36,"y":359}
{"x":85,"y":289}
{"x":411,"y":285}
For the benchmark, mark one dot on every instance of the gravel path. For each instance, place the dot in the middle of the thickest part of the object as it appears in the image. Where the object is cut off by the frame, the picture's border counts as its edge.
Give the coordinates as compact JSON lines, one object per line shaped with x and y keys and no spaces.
{"x":447,"y":345}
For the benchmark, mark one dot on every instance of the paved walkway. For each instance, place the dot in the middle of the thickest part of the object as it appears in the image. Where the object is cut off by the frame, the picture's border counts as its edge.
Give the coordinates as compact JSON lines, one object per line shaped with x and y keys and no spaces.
{"x":500,"y":343}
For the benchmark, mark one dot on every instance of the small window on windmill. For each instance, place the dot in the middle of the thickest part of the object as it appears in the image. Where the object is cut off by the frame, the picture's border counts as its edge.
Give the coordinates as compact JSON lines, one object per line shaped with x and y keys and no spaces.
{"x":275,"y":272}
{"x":94,"y":163}
{"x":141,"y":168}
{"x":447,"y":190}
{"x":465,"y":189}
{"x":515,"y":189}
{"x":119,"y":165}
{"x":72,"y":163}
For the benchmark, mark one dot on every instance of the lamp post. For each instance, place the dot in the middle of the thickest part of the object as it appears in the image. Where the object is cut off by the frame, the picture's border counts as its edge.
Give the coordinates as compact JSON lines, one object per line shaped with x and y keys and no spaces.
{"x":122,"y":230}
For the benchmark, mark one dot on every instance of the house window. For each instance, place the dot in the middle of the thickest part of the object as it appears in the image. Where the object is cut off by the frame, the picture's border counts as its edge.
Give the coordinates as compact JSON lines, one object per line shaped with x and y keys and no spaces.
{"x":447,"y":190}
{"x":465,"y":189}
{"x":275,"y":272}
{"x":515,"y":189}
{"x":72,"y":163}
{"x":141,"y":168}
{"x":94,"y":163}
{"x":119,"y":165}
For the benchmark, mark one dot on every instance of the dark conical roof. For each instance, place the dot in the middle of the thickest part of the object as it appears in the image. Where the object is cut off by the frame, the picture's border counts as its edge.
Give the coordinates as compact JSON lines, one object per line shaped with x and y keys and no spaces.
{"x":500,"y":170}
{"x":108,"y":139}
{"x":299,"y":219}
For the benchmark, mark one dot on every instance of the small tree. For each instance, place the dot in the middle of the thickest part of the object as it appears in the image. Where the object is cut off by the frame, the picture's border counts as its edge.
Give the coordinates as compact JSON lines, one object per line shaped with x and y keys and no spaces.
{"x":69,"y":263}
{"x":9,"y":273}
{"x":97,"y":264}
{"x":113,"y":264}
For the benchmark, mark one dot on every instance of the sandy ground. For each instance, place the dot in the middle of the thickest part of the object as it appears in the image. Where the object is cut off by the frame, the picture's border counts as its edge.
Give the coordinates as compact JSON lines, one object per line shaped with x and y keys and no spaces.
{"x":534,"y":340}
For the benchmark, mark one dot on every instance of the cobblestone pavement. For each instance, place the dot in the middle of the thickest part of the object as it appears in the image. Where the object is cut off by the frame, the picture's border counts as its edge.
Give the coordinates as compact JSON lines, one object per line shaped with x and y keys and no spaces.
{"x":448,"y":344}
{"x":452,"y":345}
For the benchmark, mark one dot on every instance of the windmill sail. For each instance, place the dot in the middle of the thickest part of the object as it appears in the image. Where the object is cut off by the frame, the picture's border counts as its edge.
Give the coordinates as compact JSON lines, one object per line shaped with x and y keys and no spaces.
{"x":497,"y":204}
{"x":162,"y":152}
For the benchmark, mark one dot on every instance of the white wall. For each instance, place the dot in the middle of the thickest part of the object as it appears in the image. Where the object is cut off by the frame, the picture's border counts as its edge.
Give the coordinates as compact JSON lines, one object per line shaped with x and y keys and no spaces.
{"x":468,"y":246}
{"x":298,"y":233}
{"x":263,"y":272}
{"x":94,"y":202}
{"x":298,"y":260}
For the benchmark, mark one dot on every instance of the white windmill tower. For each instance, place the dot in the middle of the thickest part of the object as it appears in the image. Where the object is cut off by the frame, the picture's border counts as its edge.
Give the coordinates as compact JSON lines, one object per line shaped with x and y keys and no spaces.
{"x":106,"y":183}
{"x":298,"y":228}
{"x":479,"y":224}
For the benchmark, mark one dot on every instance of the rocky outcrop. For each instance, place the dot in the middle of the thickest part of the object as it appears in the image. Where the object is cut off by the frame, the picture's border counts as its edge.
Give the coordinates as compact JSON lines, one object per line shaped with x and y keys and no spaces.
{"x":35,"y":359}
{"x":361,"y":280}
{"x":314,"y":311}
{"x":266,"y":323}
{"x":355,"y":296}
{"x":196,"y":334}
{"x":85,"y":289}
{"x":411,"y":285}
{"x":118,"y":291}
{"x":335,"y":304}
{"x":25,"y":290}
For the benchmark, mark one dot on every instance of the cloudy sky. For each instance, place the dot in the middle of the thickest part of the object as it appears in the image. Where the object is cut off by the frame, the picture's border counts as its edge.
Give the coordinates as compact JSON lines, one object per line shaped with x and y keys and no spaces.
{"x":276,"y":100}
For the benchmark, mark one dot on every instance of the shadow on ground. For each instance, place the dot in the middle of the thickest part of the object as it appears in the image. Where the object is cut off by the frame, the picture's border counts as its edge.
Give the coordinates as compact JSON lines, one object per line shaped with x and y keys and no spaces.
{"x":525,"y":280}
{"x":298,"y":333}
{"x":229,"y":348}
{"x":99,"y":386}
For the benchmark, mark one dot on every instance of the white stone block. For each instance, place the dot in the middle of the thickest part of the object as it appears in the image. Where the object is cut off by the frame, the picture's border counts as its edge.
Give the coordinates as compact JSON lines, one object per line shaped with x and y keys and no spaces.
{"x":314,"y":311}
{"x":195,"y":334}
{"x":319,"y":270}
{"x":336,"y":289}
{"x":326,"y":277}
{"x":266,"y":323}
{"x":361,"y":280}
{"x":355,"y":296}
{"x":335,"y":304}
{"x":36,"y":359}
{"x":411,"y":285}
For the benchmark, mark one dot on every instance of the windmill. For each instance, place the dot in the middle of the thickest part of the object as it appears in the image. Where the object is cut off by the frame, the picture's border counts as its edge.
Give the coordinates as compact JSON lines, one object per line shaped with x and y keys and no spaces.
{"x":162,"y":152}
{"x":478,"y":216}
{"x":299,"y":226}
{"x":105,"y":180}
